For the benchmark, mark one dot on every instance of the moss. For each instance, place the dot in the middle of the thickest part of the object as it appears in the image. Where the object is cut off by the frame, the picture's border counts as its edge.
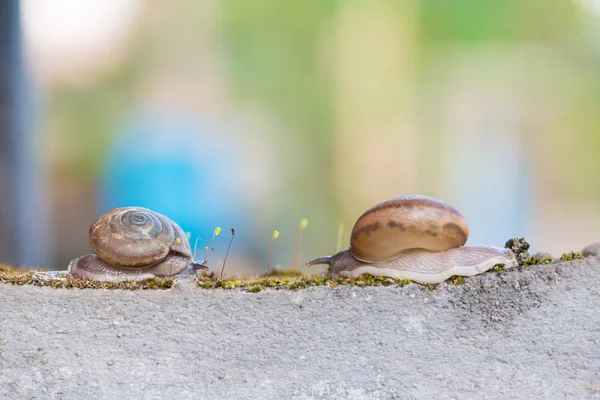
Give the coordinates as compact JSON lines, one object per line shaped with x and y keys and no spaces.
{"x":572,"y":255}
{"x":251,"y":284}
{"x":205,"y":285}
{"x":295,"y":283}
{"x":6,"y":268}
{"x":291,"y":273}
{"x":538,"y":259}
{"x":256,"y":284}
{"x":69,"y":282}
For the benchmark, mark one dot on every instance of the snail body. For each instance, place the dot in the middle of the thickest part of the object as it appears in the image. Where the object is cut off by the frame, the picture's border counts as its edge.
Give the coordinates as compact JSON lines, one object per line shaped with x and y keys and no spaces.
{"x":135,"y":243}
{"x":413,"y":237}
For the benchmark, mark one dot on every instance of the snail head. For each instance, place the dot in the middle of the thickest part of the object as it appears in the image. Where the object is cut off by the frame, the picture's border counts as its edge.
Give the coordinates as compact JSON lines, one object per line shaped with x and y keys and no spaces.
{"x":200,"y":265}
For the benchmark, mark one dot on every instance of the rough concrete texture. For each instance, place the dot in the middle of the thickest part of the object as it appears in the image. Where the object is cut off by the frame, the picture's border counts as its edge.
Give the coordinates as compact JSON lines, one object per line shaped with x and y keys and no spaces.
{"x":531,"y":334}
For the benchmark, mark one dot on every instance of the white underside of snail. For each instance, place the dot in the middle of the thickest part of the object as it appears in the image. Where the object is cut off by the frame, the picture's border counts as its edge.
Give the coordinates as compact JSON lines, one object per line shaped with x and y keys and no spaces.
{"x":423,"y":266}
{"x":91,"y":267}
{"x":417,"y":238}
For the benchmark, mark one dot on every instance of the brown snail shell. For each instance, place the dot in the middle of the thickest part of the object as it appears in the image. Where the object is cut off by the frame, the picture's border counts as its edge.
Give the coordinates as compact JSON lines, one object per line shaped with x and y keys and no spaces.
{"x":409,"y":222}
{"x":135,"y":243}
{"x":414,"y":237}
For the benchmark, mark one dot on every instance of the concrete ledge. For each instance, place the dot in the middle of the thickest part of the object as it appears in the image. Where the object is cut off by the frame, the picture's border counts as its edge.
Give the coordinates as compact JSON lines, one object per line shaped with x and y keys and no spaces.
{"x":529,"y":334}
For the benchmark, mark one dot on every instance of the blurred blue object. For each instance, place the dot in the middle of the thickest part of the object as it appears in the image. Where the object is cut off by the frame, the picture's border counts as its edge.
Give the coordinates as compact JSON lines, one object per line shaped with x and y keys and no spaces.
{"x":24,"y":205}
{"x":492,"y":186}
{"x":179,"y":167}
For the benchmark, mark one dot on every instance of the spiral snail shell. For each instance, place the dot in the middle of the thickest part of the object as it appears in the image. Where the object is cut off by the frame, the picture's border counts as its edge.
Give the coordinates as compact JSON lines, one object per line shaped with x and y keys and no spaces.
{"x":413,"y":237}
{"x":134,"y":243}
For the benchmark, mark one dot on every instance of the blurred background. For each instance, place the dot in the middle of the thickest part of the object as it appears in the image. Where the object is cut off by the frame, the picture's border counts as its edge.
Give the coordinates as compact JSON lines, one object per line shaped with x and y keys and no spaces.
{"x":255,"y":114}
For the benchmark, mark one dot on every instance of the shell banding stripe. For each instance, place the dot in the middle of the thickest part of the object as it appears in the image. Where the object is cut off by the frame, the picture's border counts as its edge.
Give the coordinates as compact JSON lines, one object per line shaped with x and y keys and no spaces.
{"x":137,"y":223}
{"x":402,"y":223}
{"x":452,"y":229}
{"x":409,"y":202}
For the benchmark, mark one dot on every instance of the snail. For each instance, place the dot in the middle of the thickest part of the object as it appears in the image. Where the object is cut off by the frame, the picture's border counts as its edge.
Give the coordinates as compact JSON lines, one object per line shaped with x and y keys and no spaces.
{"x":134,"y":243}
{"x":416,"y":237}
{"x":591,"y":250}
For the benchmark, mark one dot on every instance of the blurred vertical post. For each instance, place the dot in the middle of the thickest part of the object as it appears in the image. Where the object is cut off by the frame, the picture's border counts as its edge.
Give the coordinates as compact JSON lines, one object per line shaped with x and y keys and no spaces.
{"x":484,"y":116}
{"x":23,"y":239}
{"x":8,"y":135}
{"x":375,"y":136}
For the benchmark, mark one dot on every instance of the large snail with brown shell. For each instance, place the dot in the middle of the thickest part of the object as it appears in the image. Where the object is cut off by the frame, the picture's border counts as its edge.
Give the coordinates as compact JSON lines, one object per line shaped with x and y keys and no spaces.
{"x":134,"y":243}
{"x":414,"y":237}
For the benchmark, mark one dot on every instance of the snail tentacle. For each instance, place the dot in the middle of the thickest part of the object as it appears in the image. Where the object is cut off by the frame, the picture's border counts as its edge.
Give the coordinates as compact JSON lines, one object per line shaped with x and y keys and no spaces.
{"x":320,"y":260}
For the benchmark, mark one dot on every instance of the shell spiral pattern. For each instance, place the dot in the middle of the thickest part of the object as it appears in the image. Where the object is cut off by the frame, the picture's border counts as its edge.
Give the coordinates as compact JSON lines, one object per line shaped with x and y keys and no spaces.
{"x":135,"y":243}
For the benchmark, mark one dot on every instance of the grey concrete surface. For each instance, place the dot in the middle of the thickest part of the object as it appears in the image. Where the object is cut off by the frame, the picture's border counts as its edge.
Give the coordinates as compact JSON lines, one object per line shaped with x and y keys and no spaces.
{"x":530,"y":334}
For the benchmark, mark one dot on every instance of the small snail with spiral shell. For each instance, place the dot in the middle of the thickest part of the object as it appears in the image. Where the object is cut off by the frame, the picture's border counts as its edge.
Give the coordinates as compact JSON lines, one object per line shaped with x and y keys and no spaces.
{"x":135,"y":243}
{"x":414,"y":237}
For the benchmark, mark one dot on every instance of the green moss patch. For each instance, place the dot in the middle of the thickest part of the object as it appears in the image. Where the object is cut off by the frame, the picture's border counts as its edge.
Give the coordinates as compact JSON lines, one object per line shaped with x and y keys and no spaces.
{"x":295,"y":282}
{"x":6,"y":268}
{"x":538,"y":259}
{"x":10,"y":276}
{"x":572,"y":255}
